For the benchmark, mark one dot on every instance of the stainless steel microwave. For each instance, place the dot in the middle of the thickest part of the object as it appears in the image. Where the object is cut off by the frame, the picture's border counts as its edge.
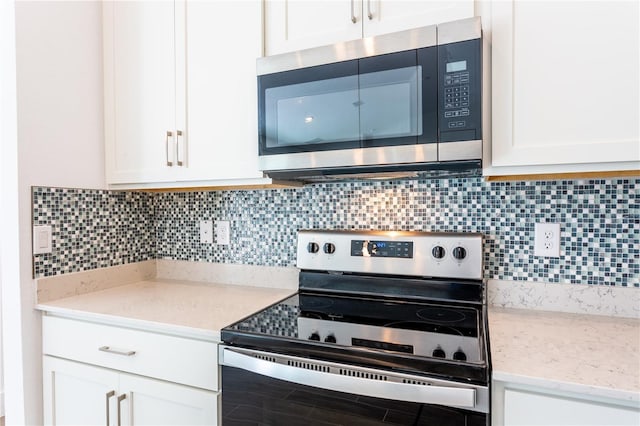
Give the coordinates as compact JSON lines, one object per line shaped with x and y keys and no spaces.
{"x":406,"y":102}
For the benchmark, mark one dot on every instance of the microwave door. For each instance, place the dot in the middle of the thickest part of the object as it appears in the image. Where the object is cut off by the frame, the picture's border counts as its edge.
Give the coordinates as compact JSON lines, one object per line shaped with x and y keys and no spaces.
{"x":395,"y":93}
{"x":310,"y":110}
{"x":314,"y":113}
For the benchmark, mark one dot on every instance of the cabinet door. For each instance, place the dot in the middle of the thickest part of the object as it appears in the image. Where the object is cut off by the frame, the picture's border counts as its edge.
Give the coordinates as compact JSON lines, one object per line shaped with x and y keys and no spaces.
{"x":525,"y":408}
{"x":223,"y":41}
{"x":140,"y":90}
{"x":154,"y":402}
{"x":297,"y":24}
{"x":387,"y":16}
{"x":565,"y":84}
{"x":78,"y":394}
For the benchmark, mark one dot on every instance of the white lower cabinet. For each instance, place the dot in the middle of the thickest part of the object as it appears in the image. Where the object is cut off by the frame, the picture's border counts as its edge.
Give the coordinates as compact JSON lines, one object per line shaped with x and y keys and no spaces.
{"x":75,"y":393}
{"x":528,"y":408}
{"x":81,"y":394}
{"x":90,"y":376}
{"x":516,"y":405}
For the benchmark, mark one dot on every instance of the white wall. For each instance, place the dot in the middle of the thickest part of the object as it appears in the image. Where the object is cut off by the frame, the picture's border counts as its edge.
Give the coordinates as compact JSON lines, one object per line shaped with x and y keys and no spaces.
{"x":9,"y":259}
{"x":60,"y":143}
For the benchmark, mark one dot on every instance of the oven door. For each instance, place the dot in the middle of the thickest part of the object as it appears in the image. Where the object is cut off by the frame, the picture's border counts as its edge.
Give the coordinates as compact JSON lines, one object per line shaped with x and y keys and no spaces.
{"x":273,"y":389}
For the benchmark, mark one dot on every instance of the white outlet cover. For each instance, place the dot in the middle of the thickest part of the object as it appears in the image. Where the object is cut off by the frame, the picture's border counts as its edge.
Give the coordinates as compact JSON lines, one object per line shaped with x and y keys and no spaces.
{"x":223,"y":231}
{"x":206,"y":231}
{"x":42,"y":239}
{"x":547,"y":240}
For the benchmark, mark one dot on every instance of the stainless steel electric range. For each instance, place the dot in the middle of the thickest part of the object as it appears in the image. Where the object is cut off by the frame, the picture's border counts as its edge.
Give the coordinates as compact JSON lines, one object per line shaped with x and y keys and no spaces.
{"x":386,"y":328}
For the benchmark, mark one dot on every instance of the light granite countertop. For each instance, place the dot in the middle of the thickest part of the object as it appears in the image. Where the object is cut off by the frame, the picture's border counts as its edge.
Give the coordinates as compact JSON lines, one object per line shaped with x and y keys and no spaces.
{"x":191,"y":309}
{"x":587,"y":354}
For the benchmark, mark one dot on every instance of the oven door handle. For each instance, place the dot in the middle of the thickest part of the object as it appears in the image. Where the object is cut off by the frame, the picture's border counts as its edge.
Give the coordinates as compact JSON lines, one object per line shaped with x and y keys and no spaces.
{"x":442,"y":395}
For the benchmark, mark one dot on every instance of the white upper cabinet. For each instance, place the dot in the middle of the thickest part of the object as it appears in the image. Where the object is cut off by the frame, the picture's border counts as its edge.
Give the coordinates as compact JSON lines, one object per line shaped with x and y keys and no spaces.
{"x":565,"y":85}
{"x":297,"y":24}
{"x":224,"y":38}
{"x":387,"y":16}
{"x":294,"y":24}
{"x":140,"y":90}
{"x":180,"y":93}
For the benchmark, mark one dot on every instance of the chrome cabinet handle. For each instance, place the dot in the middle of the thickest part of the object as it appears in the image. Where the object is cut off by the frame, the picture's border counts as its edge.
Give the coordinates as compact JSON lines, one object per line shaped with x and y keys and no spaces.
{"x":109,"y":395}
{"x":111,"y":350}
{"x":369,"y":14}
{"x":120,"y":399}
{"x":353,"y":16}
{"x":178,"y":150}
{"x":169,"y":135}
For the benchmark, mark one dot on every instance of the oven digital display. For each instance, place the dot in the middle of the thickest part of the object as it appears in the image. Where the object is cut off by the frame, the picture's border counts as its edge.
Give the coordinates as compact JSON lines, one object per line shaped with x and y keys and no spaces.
{"x":374,"y":344}
{"x":372,"y":248}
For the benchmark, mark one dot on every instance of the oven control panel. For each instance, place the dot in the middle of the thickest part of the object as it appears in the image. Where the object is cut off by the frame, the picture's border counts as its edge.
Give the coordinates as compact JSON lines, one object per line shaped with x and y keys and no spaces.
{"x":379,"y":248}
{"x":421,"y":254}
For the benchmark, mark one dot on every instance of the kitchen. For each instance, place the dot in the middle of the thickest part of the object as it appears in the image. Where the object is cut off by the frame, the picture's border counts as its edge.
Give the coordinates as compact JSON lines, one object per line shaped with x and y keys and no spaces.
{"x":60,"y":121}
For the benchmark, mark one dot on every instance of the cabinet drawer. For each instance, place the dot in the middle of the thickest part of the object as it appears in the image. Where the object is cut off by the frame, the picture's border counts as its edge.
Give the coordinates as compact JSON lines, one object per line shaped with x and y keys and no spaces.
{"x":175,"y":359}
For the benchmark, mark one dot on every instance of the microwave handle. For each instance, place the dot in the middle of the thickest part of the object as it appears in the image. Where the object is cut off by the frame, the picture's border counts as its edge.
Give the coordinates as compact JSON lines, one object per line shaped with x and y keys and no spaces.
{"x":443,"y":395}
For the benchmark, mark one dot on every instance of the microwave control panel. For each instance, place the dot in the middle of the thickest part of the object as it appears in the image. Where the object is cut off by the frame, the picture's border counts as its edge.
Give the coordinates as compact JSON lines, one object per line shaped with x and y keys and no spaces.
{"x":460,"y":91}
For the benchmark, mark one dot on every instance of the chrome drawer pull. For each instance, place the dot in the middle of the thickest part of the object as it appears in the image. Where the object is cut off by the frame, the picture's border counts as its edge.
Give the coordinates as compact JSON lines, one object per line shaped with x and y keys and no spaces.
{"x":116,"y":351}
{"x":169,"y":135}
{"x":109,"y":395}
{"x":120,"y":398}
{"x":353,"y":16}
{"x":179,"y":148}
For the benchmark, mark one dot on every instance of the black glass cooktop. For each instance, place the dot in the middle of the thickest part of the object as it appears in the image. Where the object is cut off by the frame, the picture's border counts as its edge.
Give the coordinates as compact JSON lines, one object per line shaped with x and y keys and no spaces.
{"x":282,"y":319}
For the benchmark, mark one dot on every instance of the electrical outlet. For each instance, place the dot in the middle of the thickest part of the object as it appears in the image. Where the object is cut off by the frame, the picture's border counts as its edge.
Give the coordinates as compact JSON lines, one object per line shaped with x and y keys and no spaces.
{"x":206,"y":232}
{"x":223,"y":232}
{"x":42,"y":239}
{"x":547,"y":240}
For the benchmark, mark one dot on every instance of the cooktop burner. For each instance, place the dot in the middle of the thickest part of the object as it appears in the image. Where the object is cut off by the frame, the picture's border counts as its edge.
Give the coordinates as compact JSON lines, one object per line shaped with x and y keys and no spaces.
{"x":441,"y":315}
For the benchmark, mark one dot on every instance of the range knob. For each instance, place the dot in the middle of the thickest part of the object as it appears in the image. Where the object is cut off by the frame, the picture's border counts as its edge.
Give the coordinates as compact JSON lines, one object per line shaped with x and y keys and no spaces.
{"x":459,"y":355}
{"x":459,"y":253}
{"x":315,"y":336}
{"x":438,"y":252}
{"x":330,"y":338}
{"x":313,"y":247}
{"x":439,"y":353}
{"x":329,"y":248}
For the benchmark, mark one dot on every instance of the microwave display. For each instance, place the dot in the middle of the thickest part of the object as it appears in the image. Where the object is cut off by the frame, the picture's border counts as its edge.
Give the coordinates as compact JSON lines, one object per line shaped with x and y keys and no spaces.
{"x":457,"y":66}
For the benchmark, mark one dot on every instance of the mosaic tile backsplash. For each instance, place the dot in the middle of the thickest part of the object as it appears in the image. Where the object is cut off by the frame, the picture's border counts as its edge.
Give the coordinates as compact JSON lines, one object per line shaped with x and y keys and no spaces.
{"x":93,"y":229}
{"x":599,"y":221}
